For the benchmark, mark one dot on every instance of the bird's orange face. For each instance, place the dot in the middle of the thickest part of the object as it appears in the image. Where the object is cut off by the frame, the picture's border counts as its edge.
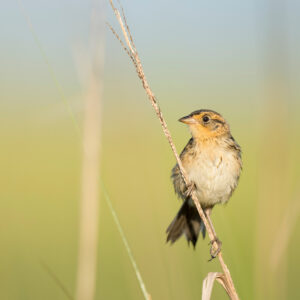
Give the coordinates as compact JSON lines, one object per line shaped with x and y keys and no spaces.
{"x":205,"y":124}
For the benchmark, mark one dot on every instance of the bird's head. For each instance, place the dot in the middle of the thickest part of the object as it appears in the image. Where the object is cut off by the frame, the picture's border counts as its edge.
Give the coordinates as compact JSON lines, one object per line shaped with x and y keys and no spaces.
{"x":205,"y":124}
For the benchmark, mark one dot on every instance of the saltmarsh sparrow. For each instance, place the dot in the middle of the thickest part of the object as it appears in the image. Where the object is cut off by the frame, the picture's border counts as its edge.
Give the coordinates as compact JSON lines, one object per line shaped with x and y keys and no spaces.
{"x":212,"y":161}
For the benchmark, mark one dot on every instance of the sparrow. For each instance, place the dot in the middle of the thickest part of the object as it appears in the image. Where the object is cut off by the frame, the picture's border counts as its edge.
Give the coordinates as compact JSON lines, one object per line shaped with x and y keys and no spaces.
{"x":212,"y":161}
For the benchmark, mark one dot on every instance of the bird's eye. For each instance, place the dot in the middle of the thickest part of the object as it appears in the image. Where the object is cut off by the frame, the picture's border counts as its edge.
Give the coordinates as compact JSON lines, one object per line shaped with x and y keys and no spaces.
{"x":205,"y":119}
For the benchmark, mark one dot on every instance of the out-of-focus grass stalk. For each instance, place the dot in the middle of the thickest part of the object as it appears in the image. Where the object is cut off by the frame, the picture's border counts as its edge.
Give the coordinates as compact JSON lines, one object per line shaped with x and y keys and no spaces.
{"x":89,"y":206}
{"x":284,"y":233}
{"x":87,"y":260}
{"x":125,"y":242}
{"x":93,"y":89}
{"x":48,"y":64}
{"x":57,"y":280}
{"x":273,"y":192}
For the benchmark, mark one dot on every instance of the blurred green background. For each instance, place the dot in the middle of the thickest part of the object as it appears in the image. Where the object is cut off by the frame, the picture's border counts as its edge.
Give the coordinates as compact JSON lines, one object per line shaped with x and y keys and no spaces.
{"x":240,"y":58}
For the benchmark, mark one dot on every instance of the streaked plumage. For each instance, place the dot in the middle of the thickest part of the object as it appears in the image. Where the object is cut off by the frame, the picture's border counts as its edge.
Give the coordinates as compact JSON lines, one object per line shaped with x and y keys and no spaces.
{"x":212,"y":161}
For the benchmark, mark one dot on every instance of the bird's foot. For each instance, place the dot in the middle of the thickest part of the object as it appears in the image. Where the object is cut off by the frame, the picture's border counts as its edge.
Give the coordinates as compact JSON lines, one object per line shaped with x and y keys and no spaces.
{"x":215,"y":250}
{"x":189,"y":189}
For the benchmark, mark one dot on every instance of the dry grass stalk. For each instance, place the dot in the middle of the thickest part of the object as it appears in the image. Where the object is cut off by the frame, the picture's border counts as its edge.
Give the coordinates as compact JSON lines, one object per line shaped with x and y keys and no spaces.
{"x":133,"y":54}
{"x":208,"y":284}
{"x":89,"y":206}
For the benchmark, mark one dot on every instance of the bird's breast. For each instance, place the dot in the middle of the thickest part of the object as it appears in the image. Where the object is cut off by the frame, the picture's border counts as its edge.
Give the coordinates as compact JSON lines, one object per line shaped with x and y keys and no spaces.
{"x":215,"y":172}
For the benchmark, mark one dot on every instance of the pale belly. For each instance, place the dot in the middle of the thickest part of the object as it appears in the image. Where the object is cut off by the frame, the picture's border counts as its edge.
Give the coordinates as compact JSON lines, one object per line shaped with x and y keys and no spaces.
{"x":215,"y":175}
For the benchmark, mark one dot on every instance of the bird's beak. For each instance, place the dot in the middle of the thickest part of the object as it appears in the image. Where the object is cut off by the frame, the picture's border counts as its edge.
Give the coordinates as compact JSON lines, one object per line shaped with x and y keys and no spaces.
{"x":188,"y":120}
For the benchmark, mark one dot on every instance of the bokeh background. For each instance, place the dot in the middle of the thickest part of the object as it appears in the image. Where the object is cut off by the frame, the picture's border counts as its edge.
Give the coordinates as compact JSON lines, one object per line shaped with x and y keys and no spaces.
{"x":240,"y":58}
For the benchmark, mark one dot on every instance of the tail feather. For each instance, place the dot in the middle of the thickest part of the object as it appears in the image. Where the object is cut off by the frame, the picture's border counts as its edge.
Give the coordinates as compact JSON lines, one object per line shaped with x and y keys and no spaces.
{"x":187,"y":222}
